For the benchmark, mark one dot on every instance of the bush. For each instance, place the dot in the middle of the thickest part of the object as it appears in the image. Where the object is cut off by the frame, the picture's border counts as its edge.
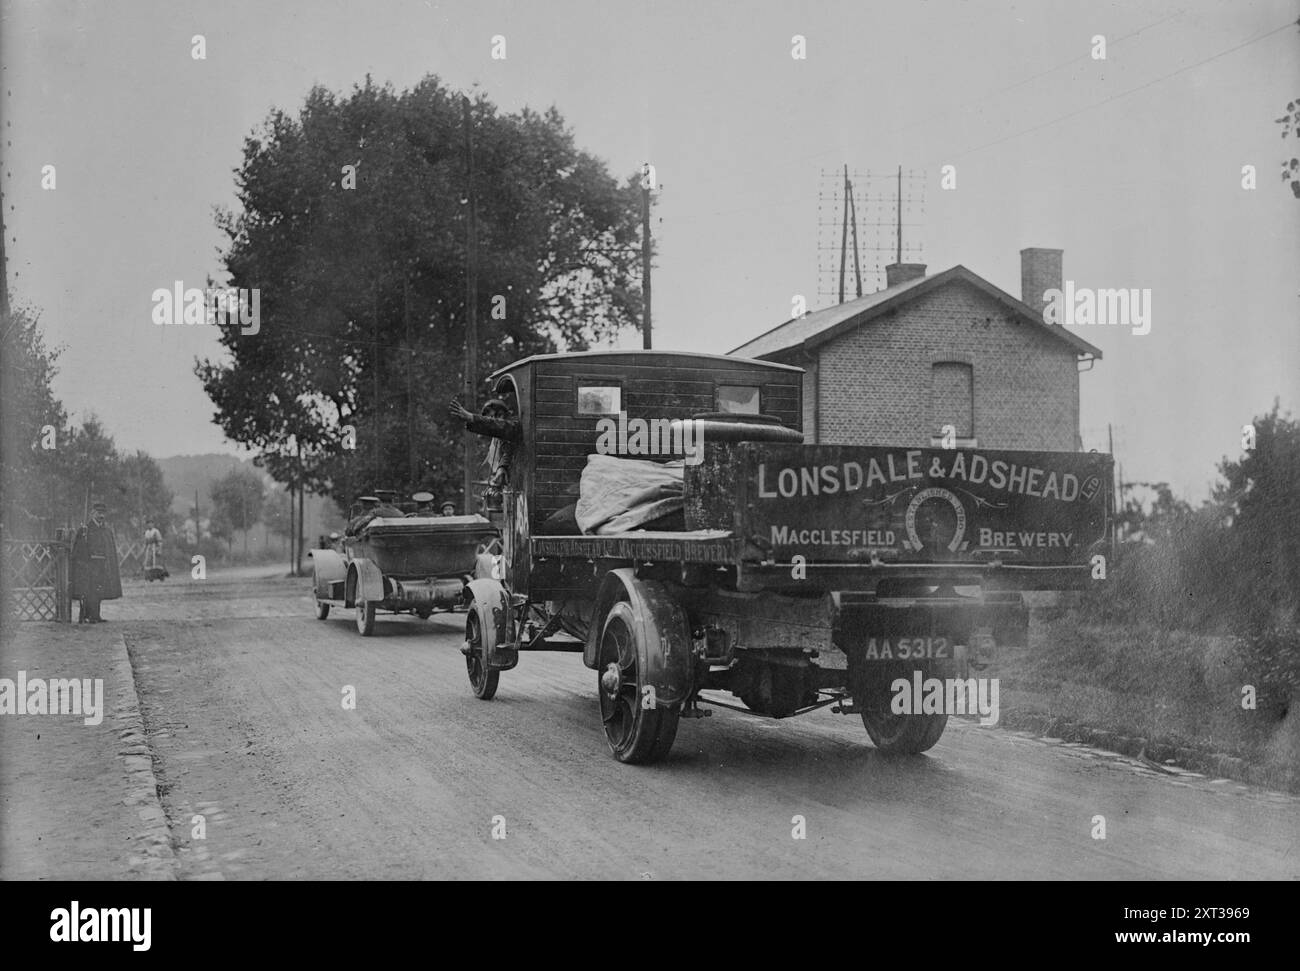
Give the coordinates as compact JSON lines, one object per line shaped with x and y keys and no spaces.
{"x":1207,"y":573}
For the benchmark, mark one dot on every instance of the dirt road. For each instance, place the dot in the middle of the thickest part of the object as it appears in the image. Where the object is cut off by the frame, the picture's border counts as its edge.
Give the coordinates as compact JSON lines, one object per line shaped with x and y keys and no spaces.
{"x":242,"y":691}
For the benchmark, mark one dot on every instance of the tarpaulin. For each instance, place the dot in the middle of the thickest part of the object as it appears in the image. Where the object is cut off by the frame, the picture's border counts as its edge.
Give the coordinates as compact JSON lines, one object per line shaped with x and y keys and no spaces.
{"x":618,"y":494}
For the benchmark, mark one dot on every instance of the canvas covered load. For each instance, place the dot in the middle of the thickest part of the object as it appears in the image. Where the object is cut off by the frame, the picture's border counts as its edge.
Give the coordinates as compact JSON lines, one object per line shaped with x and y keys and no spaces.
{"x":617,"y":494}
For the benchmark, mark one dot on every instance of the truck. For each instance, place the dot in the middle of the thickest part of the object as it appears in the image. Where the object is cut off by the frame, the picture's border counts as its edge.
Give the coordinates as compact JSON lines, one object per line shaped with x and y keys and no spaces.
{"x":798,"y":576}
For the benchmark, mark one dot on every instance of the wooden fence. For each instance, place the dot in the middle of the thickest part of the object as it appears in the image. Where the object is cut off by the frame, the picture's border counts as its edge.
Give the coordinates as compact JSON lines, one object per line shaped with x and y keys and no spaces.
{"x":36,"y":580}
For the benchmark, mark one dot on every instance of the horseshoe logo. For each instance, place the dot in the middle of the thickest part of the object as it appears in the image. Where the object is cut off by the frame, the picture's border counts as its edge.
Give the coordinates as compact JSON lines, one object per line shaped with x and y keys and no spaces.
{"x":920,"y":499}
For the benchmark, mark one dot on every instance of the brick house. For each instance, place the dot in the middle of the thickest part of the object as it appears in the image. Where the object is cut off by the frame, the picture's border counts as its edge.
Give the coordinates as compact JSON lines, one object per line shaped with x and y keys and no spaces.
{"x":895,"y":366}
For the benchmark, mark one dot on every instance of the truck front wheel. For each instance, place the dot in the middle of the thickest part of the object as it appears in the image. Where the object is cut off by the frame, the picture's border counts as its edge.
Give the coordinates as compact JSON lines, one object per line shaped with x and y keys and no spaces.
{"x":482,"y":678}
{"x":637,"y":730}
{"x":892,"y":733}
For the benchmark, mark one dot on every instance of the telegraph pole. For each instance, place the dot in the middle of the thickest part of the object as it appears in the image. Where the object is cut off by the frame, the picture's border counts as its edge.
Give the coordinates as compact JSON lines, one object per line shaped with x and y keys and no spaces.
{"x":4,"y":265}
{"x":292,"y":572}
{"x":297,"y":558}
{"x":471,"y":304}
{"x":374,"y":445}
{"x":645,"y":259}
{"x":410,"y":397}
{"x":1118,"y":484}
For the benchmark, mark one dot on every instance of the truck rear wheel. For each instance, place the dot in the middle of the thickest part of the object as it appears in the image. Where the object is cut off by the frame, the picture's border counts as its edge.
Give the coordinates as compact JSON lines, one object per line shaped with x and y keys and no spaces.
{"x":896,"y":734}
{"x":637,"y":731}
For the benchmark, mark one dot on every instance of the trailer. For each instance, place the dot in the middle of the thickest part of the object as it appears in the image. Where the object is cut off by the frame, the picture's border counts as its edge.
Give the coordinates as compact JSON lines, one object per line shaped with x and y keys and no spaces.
{"x":799,"y":576}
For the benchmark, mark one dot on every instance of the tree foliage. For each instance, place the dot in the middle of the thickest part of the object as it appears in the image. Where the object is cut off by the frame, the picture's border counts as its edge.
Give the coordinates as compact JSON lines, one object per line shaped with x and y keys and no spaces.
{"x":1149,"y":511}
{"x":237,"y":499}
{"x":1230,"y":566}
{"x":28,"y":408}
{"x":1260,"y":495}
{"x":1290,"y":122}
{"x":277,"y":511}
{"x":352,"y":225}
{"x":51,"y":469}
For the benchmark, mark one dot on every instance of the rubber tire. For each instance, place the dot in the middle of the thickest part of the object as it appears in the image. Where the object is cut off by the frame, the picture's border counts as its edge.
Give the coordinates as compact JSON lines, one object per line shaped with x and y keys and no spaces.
{"x":322,"y":610}
{"x":898,"y":734}
{"x":365,"y":618}
{"x":482,"y":680}
{"x":652,"y":731}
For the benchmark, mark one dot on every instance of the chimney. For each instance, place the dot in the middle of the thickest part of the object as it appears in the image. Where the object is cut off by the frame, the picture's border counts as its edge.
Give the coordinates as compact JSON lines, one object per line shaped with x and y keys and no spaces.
{"x":896,"y":273}
{"x":1040,"y":271}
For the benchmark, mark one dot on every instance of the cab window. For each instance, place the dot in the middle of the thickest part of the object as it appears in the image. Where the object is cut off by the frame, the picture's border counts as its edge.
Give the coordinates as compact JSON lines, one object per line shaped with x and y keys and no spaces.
{"x":599,"y":399}
{"x":737,"y":399}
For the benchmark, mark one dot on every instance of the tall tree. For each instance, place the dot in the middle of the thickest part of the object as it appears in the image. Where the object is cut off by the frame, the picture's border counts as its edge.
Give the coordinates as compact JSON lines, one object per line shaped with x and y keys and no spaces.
{"x":1261,"y":497}
{"x":33,"y":423}
{"x":275,"y":512}
{"x":142,"y":494}
{"x":50,"y":469}
{"x":236,"y":503}
{"x":352,"y":228}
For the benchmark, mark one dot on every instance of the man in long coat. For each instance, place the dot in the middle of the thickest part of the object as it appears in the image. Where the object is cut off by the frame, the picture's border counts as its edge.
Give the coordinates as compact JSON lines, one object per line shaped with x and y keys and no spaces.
{"x":94,"y":576}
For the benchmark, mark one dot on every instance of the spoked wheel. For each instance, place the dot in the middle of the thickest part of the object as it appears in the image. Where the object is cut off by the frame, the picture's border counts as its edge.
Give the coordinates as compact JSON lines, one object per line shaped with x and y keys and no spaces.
{"x":365,"y":617}
{"x":481,"y":678}
{"x":636,"y":733}
{"x":322,"y":610}
{"x":896,"y":734}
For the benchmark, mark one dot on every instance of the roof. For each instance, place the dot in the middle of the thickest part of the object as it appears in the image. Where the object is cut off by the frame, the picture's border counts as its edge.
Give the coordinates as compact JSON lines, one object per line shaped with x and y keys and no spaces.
{"x":595,"y":356}
{"x":816,"y":328}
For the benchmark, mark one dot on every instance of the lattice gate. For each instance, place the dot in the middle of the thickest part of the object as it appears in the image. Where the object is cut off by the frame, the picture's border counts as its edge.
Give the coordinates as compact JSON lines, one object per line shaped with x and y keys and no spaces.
{"x":36,"y":580}
{"x":130,"y":559}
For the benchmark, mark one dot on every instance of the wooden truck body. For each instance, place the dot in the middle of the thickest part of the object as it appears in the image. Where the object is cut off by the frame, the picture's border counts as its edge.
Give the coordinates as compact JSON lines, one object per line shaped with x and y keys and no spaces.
{"x":806,"y":575}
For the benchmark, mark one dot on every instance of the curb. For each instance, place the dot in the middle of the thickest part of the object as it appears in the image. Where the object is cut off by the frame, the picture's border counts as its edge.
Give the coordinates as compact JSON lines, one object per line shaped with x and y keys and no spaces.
{"x":152,"y":857}
{"x":1202,"y":760}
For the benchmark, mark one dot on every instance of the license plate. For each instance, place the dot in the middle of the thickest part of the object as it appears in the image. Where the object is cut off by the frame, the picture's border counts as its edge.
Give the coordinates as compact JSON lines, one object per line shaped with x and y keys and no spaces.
{"x":907,"y":648}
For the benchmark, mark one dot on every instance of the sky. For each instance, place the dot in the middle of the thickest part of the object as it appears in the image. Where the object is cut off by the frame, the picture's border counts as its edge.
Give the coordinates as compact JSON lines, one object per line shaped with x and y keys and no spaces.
{"x":1132,"y":164}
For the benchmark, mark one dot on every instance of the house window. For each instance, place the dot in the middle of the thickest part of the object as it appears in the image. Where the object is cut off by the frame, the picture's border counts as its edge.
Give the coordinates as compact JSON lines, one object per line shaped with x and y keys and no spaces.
{"x":737,"y":399}
{"x":599,"y":399}
{"x":952,"y":402}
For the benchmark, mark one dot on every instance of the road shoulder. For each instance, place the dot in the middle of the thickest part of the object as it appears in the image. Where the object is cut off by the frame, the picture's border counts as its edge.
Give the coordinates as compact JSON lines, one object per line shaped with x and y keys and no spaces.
{"x":78,"y":801}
